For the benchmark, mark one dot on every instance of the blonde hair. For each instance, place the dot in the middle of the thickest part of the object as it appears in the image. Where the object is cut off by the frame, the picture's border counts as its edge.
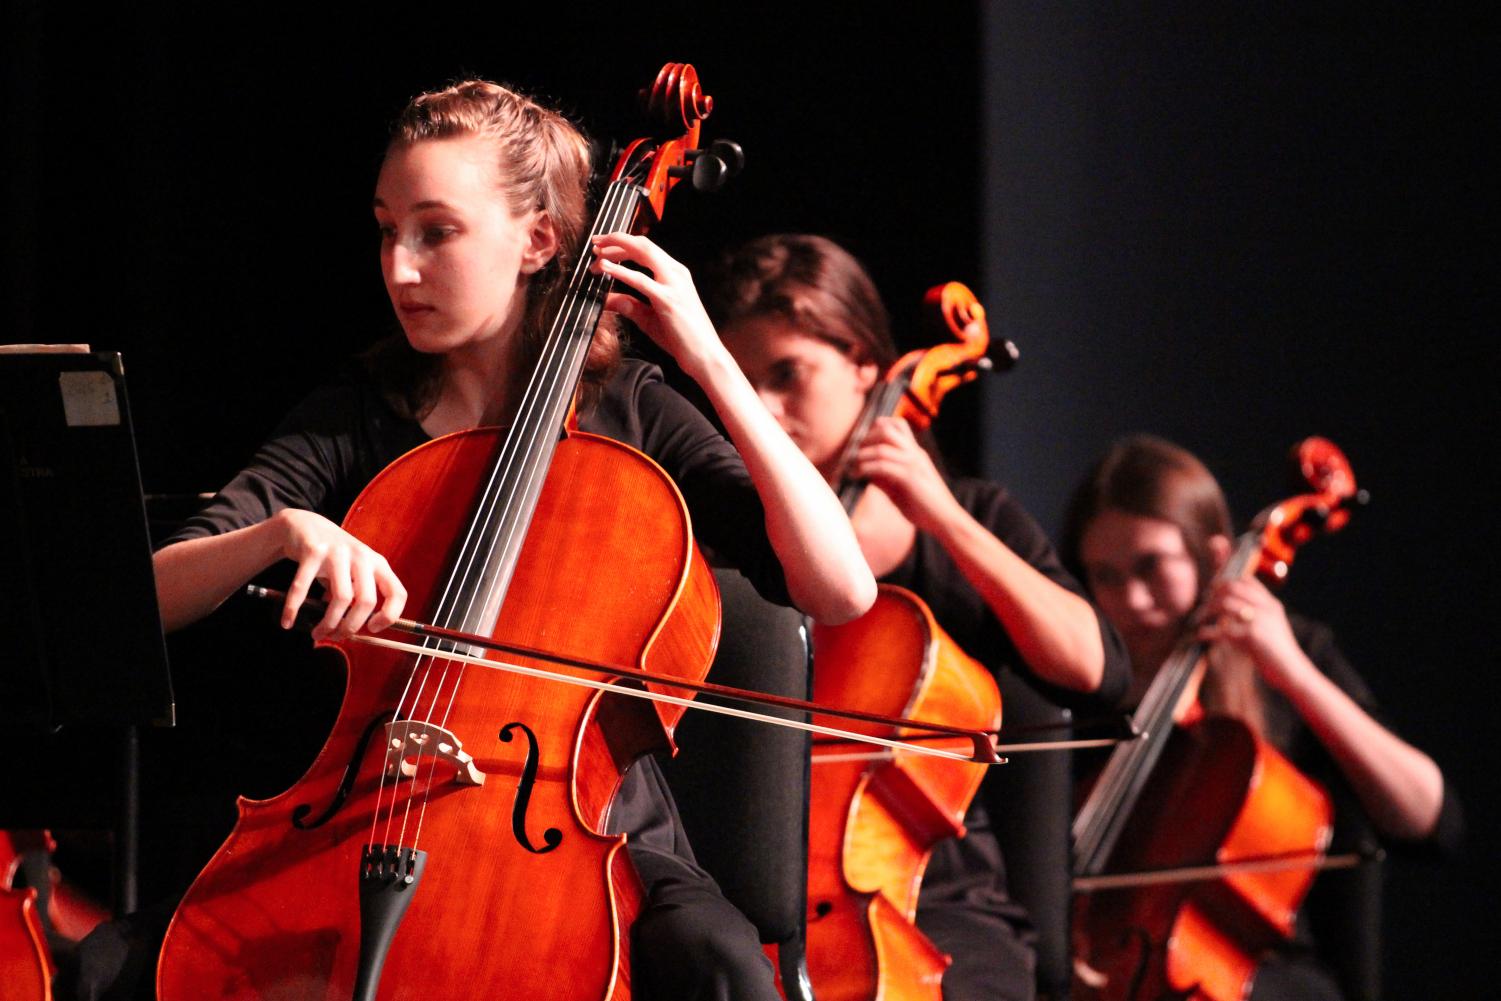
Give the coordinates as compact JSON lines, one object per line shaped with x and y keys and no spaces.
{"x":542,"y":163}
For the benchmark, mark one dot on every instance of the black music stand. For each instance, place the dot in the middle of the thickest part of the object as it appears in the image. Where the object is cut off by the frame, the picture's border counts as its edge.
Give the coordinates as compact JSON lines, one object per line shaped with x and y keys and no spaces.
{"x":77,"y":593}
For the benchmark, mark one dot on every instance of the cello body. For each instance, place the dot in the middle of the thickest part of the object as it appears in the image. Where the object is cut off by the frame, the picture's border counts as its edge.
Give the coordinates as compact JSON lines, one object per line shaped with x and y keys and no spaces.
{"x":519,"y":883}
{"x":25,"y":963}
{"x":874,"y":819}
{"x":1204,"y":939}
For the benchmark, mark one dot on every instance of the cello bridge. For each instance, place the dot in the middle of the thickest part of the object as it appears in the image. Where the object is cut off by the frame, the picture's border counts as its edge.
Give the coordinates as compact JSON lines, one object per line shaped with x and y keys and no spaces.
{"x":411,"y":744}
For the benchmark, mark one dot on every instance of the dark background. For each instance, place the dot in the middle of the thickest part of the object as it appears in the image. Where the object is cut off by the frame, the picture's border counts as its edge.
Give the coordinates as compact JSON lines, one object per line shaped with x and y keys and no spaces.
{"x":1231,"y":229}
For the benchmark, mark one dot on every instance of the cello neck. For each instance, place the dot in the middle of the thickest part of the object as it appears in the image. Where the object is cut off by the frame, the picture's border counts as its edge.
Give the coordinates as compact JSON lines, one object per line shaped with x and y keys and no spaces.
{"x":1102,"y":818}
{"x":882,"y":402}
{"x":489,"y":550}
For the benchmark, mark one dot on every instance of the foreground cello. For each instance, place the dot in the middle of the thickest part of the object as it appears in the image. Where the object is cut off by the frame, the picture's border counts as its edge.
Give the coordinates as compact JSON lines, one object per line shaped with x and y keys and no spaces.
{"x":446,"y":842}
{"x":875,"y":817}
{"x":1218,"y":835}
{"x":25,"y":963}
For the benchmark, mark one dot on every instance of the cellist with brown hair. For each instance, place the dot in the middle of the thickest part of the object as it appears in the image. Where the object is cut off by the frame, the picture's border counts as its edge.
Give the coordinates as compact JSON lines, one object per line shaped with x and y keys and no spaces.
{"x":807,"y":325}
{"x":1150,"y":531}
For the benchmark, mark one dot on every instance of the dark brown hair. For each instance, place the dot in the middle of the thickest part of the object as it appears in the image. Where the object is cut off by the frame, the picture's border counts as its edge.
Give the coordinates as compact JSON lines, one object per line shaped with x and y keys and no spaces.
{"x":542,"y":162}
{"x":1152,"y":478}
{"x":1149,"y":477}
{"x":810,"y":281}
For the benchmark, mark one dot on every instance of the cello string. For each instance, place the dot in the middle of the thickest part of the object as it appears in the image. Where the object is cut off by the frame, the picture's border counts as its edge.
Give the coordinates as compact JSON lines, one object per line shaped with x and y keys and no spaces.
{"x":546,"y":401}
{"x":1124,"y":772}
{"x":550,"y":399}
{"x":543,"y":394}
{"x":387,"y":766}
{"x":455,"y":586}
{"x":551,"y":369}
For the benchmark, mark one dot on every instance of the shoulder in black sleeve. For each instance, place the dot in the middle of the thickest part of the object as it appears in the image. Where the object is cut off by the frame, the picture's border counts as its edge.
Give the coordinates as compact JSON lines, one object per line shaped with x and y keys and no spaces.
{"x":317,"y":459}
{"x":962,"y":612}
{"x":1304,"y":750}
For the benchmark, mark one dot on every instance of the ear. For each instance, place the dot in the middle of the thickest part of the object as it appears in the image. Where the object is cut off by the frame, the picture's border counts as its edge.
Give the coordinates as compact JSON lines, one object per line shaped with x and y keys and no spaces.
{"x":1219,"y":551}
{"x":866,"y":374}
{"x":541,"y":245}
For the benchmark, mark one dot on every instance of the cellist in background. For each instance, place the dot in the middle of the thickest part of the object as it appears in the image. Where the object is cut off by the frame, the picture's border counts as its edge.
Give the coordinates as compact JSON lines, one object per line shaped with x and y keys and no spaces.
{"x":1148,"y":529}
{"x":807,"y":326}
{"x":480,"y":207}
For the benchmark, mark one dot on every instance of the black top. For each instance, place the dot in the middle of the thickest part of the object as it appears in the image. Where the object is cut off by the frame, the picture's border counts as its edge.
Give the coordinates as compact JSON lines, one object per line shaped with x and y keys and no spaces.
{"x":1286,"y":729}
{"x":971,"y":869}
{"x":1338,"y":929}
{"x":334,"y":442}
{"x":931,"y":572}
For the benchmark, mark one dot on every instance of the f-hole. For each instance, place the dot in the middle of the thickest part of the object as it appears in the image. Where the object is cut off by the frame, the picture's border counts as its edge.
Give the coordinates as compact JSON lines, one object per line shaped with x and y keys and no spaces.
{"x":346,"y":783}
{"x":552,"y":837}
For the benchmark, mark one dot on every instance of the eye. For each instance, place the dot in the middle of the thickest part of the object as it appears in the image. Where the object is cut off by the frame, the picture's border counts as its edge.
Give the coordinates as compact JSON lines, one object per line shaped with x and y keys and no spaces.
{"x":784,"y":374}
{"x":1103,"y":577}
{"x":387,"y":232}
{"x":433,"y":235}
{"x":1148,"y":567}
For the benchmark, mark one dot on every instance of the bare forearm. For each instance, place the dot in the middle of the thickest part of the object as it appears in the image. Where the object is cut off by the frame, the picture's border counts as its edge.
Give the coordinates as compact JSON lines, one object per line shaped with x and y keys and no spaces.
{"x":1400,"y":787}
{"x":1055,"y":631}
{"x":194,"y":577}
{"x":826,"y":573}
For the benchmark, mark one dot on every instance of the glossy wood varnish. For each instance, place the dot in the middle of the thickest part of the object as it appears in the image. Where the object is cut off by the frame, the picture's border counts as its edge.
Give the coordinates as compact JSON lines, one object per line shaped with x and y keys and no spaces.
{"x":25,"y":964}
{"x":608,"y":573}
{"x":874,"y":818}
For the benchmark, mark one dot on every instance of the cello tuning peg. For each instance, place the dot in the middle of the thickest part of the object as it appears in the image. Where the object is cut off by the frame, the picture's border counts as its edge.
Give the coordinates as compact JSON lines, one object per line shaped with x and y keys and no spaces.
{"x":730,"y":152}
{"x":1003,"y":355}
{"x":1316,"y":516}
{"x":709,"y":173}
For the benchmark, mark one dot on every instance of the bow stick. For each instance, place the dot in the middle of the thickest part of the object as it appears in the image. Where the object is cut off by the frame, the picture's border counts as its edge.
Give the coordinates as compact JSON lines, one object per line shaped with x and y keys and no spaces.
{"x":982,"y":742}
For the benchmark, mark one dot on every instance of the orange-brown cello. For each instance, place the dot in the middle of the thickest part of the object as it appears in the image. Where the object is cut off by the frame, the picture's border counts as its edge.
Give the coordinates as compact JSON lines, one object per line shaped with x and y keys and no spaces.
{"x":874,"y":818}
{"x":1217,"y":834}
{"x":447,"y":842}
{"x":25,"y":963}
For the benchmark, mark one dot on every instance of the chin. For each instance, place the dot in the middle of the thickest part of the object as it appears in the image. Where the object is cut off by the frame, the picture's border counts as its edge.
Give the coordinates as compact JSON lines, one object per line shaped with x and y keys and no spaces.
{"x":425,"y":340}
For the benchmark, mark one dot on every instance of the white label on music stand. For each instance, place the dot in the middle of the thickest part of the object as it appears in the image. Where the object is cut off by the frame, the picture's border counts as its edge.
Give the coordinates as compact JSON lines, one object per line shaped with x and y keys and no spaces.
{"x":89,"y":399}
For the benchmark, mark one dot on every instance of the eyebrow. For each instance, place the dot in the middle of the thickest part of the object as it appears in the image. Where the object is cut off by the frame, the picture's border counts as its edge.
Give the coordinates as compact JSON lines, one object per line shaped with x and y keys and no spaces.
{"x":431,"y":203}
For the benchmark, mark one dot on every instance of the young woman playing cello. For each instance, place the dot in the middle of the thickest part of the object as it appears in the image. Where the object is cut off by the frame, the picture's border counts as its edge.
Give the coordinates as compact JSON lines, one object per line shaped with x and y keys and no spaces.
{"x":807,"y":326}
{"x":1149,"y":530}
{"x":480,"y":205}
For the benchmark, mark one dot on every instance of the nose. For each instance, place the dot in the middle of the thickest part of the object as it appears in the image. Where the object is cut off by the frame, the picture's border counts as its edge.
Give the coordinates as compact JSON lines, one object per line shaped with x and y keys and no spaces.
{"x":401,"y":266}
{"x":1138,"y":596}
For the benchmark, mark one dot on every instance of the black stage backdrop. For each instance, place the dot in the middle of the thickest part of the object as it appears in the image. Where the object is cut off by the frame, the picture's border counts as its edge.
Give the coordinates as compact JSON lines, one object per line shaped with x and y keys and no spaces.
{"x":1230,"y":229}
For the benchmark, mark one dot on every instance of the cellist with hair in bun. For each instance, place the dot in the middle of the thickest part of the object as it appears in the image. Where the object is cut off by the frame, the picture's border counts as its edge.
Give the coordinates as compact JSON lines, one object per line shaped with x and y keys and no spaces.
{"x":480,"y":209}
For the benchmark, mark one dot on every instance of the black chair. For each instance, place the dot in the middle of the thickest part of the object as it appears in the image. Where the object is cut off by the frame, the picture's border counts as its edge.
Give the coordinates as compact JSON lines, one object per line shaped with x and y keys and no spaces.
{"x":742,"y":787}
{"x":1030,"y":802}
{"x":1344,"y":906}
